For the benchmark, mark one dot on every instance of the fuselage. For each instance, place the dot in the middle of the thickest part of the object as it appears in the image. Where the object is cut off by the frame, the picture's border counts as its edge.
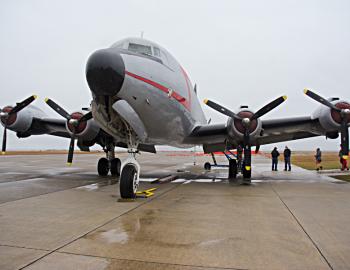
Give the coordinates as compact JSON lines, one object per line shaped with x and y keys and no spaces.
{"x":154,"y":85}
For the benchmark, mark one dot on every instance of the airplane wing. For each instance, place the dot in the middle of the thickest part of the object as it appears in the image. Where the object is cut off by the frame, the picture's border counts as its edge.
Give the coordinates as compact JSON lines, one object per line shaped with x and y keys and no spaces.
{"x":216,"y":138}
{"x":50,"y":126}
{"x":27,"y":120}
{"x":280,"y":130}
{"x":57,"y":127}
{"x":246,"y":128}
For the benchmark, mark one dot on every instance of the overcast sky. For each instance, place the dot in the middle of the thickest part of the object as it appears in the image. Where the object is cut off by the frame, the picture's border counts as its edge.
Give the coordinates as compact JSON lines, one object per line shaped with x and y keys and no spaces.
{"x":238,"y":52}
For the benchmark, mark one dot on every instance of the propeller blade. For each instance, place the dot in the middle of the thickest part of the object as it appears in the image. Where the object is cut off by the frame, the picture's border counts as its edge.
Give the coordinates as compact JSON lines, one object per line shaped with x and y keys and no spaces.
{"x":273,"y":104}
{"x":4,"y":139}
{"x":220,"y":109}
{"x":71,"y":151}
{"x":320,"y":99}
{"x":86,"y":117}
{"x":344,"y":135}
{"x":21,"y":105}
{"x":57,"y":108}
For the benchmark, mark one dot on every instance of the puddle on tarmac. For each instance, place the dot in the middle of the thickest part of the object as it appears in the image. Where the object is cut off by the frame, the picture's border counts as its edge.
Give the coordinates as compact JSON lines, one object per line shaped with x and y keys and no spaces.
{"x":89,"y":187}
{"x":207,"y":180}
{"x":147,"y":179}
{"x":143,"y":229}
{"x":209,"y":243}
{"x":115,"y":236}
{"x":339,"y":182}
{"x":96,"y":186}
{"x":186,"y":181}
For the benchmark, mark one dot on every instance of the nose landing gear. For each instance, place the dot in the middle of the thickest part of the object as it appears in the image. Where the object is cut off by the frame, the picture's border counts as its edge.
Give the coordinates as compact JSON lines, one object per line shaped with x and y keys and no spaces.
{"x":129,"y":178}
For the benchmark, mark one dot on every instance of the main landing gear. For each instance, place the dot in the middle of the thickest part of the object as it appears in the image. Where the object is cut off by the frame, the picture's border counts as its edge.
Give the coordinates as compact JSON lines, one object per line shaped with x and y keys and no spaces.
{"x":109,"y":163}
{"x":235,"y":165}
{"x":129,"y":178}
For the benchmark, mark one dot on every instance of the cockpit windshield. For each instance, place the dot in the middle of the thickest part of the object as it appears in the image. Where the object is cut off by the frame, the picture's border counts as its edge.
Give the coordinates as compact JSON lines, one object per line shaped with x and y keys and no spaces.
{"x":138,"y":48}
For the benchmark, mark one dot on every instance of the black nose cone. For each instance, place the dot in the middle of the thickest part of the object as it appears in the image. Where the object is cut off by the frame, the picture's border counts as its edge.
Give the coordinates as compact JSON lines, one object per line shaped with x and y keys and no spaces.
{"x":105,"y":72}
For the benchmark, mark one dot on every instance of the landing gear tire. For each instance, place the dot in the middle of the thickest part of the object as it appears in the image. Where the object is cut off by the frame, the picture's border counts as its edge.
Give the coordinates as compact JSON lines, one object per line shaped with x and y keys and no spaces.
{"x":115,"y":167}
{"x":247,"y":174}
{"x":207,"y":166}
{"x":128,"y":182}
{"x":102,"y":167}
{"x":232,"y":169}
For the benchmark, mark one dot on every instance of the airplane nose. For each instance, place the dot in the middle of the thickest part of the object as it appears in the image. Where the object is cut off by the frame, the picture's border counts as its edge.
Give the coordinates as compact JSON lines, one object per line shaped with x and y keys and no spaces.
{"x":105,"y":72}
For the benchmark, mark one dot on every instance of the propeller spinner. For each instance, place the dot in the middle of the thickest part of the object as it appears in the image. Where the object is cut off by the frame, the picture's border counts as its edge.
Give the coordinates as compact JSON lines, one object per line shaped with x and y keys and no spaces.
{"x":340,"y":113}
{"x":76,"y":123}
{"x":8,"y":116}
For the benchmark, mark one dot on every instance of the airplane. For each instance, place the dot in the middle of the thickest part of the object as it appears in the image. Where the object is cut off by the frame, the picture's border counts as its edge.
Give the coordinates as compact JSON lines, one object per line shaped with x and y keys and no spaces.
{"x":142,"y":97}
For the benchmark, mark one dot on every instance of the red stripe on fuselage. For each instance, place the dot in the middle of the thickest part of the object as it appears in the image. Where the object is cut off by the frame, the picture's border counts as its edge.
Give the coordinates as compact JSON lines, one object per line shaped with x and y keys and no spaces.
{"x":189,"y":101}
{"x":164,"y":89}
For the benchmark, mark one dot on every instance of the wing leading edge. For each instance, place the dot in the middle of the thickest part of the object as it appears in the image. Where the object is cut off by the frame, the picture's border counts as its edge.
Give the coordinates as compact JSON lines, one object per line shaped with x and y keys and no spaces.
{"x":216,"y":137}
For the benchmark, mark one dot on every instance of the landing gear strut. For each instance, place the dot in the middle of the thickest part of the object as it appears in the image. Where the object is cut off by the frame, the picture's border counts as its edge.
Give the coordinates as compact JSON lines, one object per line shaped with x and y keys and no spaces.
{"x":110,"y":163}
{"x":232,"y":164}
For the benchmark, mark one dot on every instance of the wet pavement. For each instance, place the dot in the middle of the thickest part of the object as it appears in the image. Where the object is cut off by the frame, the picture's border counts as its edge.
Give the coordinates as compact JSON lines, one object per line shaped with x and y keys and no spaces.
{"x":58,"y":217}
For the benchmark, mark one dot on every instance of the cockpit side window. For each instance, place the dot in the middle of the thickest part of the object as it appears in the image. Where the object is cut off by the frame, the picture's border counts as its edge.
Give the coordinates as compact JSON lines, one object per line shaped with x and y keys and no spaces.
{"x":119,"y":44}
{"x":138,"y":48}
{"x":156,"y":51}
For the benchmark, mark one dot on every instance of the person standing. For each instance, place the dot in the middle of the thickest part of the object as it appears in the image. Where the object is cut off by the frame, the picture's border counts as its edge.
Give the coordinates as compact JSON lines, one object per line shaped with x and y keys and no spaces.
{"x":343,"y":161}
{"x":318,"y":159}
{"x":274,"y":154}
{"x":287,"y":153}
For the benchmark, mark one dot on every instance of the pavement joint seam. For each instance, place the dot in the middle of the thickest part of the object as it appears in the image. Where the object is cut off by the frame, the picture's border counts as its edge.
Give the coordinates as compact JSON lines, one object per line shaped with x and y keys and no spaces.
{"x":14,"y":246}
{"x":152,"y":262}
{"x":99,"y":226}
{"x":302,"y":227}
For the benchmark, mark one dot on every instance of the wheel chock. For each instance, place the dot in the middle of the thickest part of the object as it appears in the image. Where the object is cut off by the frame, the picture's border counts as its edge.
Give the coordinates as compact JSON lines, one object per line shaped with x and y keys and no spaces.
{"x":145,"y":193}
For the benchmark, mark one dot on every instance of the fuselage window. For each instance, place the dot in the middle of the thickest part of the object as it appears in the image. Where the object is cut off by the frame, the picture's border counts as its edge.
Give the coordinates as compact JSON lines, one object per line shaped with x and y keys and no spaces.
{"x":138,"y":48}
{"x":156,"y":51}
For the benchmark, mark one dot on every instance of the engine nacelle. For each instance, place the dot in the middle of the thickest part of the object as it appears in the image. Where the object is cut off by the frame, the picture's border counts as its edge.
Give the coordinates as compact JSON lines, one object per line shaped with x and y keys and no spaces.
{"x":235,"y":127}
{"x":86,"y":130}
{"x":22,"y":120}
{"x":329,"y":118}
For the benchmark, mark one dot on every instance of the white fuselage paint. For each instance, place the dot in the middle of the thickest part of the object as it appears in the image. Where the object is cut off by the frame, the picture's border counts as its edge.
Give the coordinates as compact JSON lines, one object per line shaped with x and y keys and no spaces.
{"x":168,"y":120}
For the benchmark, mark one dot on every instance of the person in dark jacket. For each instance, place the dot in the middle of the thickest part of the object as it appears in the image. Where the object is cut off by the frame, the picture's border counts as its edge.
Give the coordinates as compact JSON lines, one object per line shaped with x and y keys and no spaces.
{"x":274,"y":154}
{"x":287,"y":153}
{"x":318,"y":159}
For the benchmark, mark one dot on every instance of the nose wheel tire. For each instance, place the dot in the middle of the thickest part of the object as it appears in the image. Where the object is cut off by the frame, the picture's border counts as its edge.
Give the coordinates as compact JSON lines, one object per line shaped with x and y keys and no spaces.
{"x":102,"y":167}
{"x":232,"y":169}
{"x":115,"y":166}
{"x":128,"y":182}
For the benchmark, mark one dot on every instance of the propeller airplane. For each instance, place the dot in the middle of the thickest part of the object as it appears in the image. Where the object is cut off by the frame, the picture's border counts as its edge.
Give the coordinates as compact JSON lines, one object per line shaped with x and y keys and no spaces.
{"x":142,"y":97}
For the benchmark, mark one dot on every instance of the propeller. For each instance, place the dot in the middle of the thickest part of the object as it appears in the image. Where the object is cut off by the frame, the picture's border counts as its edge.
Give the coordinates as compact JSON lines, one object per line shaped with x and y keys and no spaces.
{"x":8,"y":116}
{"x":344,"y":116}
{"x":76,"y":123}
{"x":246,"y":123}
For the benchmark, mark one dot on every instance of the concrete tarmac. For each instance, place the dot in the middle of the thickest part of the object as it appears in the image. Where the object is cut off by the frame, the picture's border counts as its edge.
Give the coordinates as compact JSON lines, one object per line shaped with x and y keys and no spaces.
{"x":54,"y":217}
